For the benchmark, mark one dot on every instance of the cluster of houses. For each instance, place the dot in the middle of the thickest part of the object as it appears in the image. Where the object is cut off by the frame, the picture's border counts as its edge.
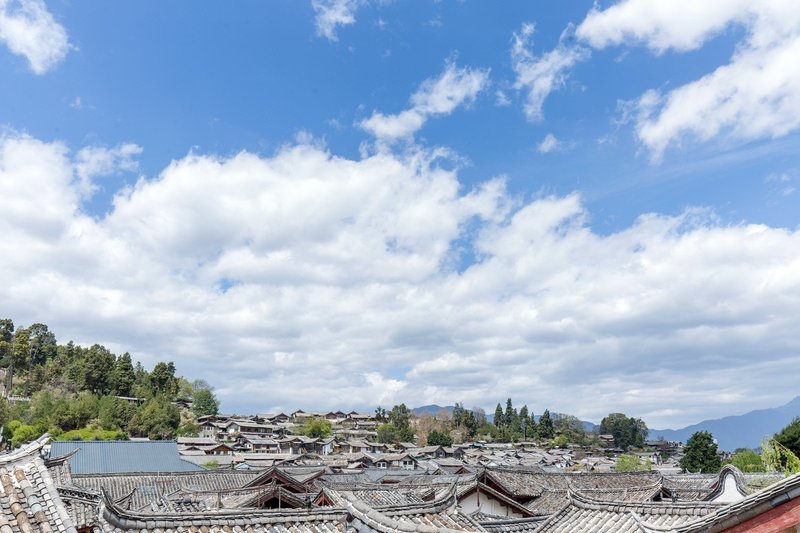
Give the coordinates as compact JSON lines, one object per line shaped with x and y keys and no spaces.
{"x":274,"y":440}
{"x":145,"y":486}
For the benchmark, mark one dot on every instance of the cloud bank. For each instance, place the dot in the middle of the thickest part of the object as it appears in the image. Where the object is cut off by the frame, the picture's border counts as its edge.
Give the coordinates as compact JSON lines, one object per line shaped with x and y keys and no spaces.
{"x":304,"y":279}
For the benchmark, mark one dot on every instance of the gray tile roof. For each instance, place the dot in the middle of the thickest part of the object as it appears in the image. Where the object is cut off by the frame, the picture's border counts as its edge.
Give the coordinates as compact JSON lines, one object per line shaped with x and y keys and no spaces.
{"x":29,"y":502}
{"x":122,"y":456}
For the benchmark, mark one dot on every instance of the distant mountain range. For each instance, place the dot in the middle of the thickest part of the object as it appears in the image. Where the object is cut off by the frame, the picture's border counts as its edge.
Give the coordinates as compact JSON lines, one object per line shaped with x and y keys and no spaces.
{"x":433,"y":409}
{"x":740,"y":431}
{"x":731,"y":432}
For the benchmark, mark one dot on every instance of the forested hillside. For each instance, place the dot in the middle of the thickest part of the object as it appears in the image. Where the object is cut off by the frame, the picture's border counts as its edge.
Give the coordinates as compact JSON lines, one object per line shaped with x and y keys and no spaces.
{"x":75,"y":392}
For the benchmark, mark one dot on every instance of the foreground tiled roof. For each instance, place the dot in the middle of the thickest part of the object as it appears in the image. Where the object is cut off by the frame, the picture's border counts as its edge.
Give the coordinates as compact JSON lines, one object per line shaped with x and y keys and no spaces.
{"x":753,"y":505}
{"x":30,"y":502}
{"x":140,"y":490}
{"x":121,"y":456}
{"x":437,"y":516}
{"x":585,"y":515}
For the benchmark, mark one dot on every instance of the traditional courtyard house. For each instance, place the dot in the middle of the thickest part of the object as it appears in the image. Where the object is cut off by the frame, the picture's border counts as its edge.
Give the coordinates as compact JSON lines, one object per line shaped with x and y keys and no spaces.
{"x":377,"y":447}
{"x":606,"y":439}
{"x":212,"y":429}
{"x":455,"y":452}
{"x":258,"y":444}
{"x":401,"y":461}
{"x":247,"y":427}
{"x":429,"y":452}
{"x":356,"y":446}
{"x":273,"y":418}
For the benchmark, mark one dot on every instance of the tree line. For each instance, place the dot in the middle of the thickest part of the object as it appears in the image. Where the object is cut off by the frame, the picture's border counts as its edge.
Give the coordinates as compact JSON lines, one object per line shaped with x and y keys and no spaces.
{"x":75,"y":392}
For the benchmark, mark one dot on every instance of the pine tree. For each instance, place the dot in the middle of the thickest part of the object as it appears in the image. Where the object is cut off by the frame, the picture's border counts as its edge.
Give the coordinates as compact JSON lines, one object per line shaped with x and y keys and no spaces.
{"x":524,"y":421}
{"x":123,"y":377}
{"x":546,"y":426}
{"x":700,"y":454}
{"x":509,"y":416}
{"x":498,"y":416}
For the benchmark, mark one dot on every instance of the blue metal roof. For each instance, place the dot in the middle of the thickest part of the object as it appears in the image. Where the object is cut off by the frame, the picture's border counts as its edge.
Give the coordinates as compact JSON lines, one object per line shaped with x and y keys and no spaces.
{"x":122,"y":456}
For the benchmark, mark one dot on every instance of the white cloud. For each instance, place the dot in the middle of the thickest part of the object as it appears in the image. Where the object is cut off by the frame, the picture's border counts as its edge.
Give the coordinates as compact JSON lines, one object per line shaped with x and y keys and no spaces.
{"x":540,"y":76}
{"x":756,"y":95}
{"x":342,"y":286}
{"x":501,"y":99}
{"x":549,"y":144}
{"x":435,"y":97}
{"x":29,"y":30}
{"x":330,"y":14}
{"x":98,"y":161}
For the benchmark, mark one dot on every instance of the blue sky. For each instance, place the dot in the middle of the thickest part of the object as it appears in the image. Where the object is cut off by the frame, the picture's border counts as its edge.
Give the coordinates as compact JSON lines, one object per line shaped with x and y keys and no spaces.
{"x":355,"y":185}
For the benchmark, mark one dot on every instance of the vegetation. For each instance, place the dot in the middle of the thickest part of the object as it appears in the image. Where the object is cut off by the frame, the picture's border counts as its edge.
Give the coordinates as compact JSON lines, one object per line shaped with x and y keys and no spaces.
{"x":439,"y":438}
{"x":633,"y":463}
{"x":88,"y":393}
{"x":318,"y":428}
{"x":700,"y":454}
{"x":627,"y":431}
{"x":789,"y":437}
{"x":398,"y":428}
{"x":747,"y":460}
{"x":777,"y":457}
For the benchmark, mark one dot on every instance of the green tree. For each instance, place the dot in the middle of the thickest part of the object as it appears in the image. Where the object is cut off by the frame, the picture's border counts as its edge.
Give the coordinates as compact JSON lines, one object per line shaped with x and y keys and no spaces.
{"x":399,"y":416}
{"x":6,"y":341}
{"x":156,"y":419}
{"x":123,"y":377}
{"x":633,"y":463}
{"x":205,"y":403}
{"x":508,"y":417}
{"x":571,"y":428}
{"x":387,"y":434}
{"x":469,"y":422}
{"x":747,"y":460}
{"x":700,"y":454}
{"x":114,"y":413}
{"x":163,"y":380}
{"x":380,"y":414}
{"x":5,"y":412}
{"x":83,"y":408}
{"x":42,"y":344}
{"x":24,"y":433}
{"x":546,"y":430}
{"x":524,"y":421}
{"x":789,"y":436}
{"x":98,"y":367}
{"x":439,"y":438}
{"x":318,"y":428}
{"x":777,"y":457}
{"x":457,"y":415}
{"x":627,"y":431}
{"x":21,"y":349}
{"x":498,"y":416}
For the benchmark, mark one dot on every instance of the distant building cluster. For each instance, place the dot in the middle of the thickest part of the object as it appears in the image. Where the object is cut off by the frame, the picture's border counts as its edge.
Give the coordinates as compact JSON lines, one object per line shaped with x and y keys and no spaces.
{"x":145,"y":486}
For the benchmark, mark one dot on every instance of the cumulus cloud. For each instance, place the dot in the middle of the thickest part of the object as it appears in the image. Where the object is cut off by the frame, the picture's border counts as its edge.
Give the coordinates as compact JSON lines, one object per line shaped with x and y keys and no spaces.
{"x":330,"y":14}
{"x":435,"y":97}
{"x":549,"y":144}
{"x":28,"y":29}
{"x":304,"y":279}
{"x":99,"y":161}
{"x":541,"y":75}
{"x":756,"y":95}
